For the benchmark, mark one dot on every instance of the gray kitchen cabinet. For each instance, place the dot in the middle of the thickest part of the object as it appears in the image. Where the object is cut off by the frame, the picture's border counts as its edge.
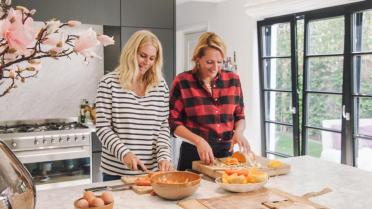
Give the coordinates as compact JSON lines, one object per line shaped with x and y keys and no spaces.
{"x":98,"y":12}
{"x":112,"y":53}
{"x":166,"y":37}
{"x":148,"y":13}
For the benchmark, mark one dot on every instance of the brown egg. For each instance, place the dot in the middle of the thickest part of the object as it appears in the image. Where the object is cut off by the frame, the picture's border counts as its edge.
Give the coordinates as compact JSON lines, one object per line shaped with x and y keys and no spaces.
{"x":91,"y":201}
{"x":88,"y":195}
{"x":97,"y":202}
{"x":107,"y":197}
{"x":82,"y":203}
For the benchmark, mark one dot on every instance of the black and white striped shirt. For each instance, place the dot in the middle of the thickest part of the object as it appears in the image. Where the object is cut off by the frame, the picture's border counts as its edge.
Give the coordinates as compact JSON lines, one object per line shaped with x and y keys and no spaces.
{"x":127,"y":122}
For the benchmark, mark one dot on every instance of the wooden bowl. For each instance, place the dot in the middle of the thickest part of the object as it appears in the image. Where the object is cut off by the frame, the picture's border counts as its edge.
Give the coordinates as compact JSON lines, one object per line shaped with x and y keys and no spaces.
{"x":175,"y":185}
{"x":108,"y":206}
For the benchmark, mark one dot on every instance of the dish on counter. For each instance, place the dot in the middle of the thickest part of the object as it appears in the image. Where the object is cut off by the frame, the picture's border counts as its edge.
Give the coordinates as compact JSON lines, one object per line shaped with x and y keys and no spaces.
{"x":175,"y":185}
{"x":247,"y":187}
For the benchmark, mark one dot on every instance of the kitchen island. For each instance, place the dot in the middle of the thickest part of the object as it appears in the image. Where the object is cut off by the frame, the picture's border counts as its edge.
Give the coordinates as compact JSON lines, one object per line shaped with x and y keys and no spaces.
{"x":351,"y":188}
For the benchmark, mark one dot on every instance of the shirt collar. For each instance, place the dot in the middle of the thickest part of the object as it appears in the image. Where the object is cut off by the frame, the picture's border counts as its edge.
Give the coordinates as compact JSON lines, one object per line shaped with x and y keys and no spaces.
{"x":194,"y":72}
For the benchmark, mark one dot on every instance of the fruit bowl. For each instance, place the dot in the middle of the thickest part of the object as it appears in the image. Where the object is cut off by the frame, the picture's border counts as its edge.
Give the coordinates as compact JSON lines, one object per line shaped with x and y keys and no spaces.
{"x":175,"y":185}
{"x":248,"y":187}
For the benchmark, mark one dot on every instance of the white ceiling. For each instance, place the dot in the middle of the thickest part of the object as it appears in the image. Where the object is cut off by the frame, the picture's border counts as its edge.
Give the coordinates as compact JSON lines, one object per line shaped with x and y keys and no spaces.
{"x":268,"y":8}
{"x":212,"y":1}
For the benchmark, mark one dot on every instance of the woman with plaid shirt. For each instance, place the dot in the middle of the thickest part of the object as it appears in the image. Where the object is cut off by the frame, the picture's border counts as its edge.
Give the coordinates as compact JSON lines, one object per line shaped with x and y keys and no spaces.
{"x":206,"y":106}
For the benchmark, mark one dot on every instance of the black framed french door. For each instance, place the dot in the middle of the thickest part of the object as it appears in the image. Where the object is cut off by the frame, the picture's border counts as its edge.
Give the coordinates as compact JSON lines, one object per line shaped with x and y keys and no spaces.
{"x":330,"y":92}
{"x":278,"y":84}
{"x":324,"y":88}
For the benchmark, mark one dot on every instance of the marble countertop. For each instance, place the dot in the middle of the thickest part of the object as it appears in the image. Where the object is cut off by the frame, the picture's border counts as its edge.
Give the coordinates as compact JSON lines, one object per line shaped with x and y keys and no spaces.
{"x":351,"y":188}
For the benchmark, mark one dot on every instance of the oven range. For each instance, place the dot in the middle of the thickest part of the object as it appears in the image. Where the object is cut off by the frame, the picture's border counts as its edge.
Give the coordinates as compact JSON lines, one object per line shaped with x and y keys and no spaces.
{"x":57,"y":152}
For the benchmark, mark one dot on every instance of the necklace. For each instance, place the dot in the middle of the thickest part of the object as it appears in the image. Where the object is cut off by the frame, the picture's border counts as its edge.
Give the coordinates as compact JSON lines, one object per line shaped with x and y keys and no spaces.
{"x":209,"y":87}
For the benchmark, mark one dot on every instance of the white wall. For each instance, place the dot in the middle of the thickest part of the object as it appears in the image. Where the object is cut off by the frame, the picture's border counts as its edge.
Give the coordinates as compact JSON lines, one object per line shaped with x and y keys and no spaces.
{"x":228,"y":19}
{"x":58,"y":88}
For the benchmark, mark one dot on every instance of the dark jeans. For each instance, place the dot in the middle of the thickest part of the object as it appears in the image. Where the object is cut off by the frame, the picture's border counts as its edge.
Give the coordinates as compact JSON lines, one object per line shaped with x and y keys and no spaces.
{"x":108,"y":177}
{"x":189,"y":153}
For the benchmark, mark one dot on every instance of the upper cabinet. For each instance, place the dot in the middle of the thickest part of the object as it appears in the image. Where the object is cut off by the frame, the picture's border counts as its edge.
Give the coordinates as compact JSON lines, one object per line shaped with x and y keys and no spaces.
{"x":98,"y":12}
{"x":145,"y":13}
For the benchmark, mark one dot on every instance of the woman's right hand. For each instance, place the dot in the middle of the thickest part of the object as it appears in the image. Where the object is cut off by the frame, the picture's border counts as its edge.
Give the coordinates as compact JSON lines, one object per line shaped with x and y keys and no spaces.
{"x":205,"y":151}
{"x":132,"y":162}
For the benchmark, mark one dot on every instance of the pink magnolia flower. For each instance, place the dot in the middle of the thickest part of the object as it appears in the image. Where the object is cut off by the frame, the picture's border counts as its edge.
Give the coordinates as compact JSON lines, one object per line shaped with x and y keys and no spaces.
{"x":73,"y":23}
{"x":86,"y":41}
{"x":18,"y":35}
{"x":52,"y":26}
{"x":106,"y":40}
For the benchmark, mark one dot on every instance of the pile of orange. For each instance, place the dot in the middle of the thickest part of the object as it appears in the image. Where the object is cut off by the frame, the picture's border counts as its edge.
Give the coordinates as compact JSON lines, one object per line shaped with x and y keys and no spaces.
{"x":244,"y":176}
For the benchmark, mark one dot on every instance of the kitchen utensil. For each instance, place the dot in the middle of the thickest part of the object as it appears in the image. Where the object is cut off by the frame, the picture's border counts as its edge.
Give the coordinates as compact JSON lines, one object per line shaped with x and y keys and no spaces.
{"x":109,"y":188}
{"x":16,"y":188}
{"x":175,"y":185}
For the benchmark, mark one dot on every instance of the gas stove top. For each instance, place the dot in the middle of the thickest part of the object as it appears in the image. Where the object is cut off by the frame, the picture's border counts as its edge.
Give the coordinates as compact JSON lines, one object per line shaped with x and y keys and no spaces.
{"x":43,"y":134}
{"x":41,"y":127}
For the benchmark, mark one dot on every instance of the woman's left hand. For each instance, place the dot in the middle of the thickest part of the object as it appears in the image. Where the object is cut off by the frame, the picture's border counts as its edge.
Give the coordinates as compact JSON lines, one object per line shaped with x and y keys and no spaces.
{"x":165,"y":165}
{"x":242,"y":142}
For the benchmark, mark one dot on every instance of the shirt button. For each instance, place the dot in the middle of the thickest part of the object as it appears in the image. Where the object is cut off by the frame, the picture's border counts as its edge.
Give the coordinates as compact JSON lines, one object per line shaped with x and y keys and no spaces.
{"x":219,"y":139}
{"x":216,"y":99}
{"x":218,"y":125}
{"x":216,"y":111}
{"x":214,"y":86}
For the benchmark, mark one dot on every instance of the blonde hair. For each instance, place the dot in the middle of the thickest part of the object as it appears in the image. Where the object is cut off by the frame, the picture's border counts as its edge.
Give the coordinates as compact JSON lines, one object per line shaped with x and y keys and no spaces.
{"x":208,"y":40}
{"x":128,"y":64}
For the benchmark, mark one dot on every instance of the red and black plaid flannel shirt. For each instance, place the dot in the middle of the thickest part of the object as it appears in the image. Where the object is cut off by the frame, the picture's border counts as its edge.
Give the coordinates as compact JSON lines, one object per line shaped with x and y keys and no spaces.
{"x":210,"y":116}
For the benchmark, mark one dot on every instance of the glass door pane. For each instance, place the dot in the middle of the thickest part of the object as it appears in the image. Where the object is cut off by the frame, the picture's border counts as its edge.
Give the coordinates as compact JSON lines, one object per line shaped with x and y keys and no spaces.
{"x":323,"y":78}
{"x":362,"y":88}
{"x":278,"y":91}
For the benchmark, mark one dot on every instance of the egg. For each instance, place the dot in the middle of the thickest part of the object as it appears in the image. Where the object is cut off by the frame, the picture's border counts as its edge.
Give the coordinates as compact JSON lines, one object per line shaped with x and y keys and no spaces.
{"x":107,"y":197}
{"x":91,"y":201}
{"x":82,"y":203}
{"x":97,"y":202}
{"x":88,"y":195}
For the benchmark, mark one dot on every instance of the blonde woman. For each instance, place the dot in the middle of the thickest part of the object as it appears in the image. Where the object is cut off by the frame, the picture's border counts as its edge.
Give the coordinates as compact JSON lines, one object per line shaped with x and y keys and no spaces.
{"x":132,"y":111}
{"x":206,"y":106}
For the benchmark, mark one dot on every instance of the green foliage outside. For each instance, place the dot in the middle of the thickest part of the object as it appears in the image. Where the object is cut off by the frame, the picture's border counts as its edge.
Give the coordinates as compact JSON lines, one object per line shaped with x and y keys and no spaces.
{"x":325,"y":74}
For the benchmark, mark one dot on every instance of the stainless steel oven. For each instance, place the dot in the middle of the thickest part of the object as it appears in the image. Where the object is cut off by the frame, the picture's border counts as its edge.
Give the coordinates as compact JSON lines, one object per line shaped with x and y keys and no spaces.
{"x":56,"y":152}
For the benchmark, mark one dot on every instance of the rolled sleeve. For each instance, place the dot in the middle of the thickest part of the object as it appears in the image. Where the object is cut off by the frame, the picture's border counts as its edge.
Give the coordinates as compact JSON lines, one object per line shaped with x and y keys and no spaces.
{"x":176,"y":108}
{"x":239,"y":111}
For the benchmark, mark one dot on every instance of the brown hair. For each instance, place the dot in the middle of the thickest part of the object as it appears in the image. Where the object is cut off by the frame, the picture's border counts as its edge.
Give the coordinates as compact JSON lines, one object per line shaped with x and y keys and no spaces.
{"x":208,"y":40}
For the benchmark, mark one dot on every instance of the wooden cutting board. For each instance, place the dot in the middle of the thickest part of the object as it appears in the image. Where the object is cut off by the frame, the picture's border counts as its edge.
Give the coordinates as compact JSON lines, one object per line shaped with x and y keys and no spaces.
{"x":261,"y":199}
{"x":130,"y":180}
{"x":218,"y":168}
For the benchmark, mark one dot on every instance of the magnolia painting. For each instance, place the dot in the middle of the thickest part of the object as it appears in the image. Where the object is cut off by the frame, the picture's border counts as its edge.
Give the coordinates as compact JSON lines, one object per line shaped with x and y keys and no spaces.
{"x":23,"y":45}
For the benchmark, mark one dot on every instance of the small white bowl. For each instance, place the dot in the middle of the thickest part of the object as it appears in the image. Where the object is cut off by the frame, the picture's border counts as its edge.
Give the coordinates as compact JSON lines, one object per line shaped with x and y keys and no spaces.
{"x":240,"y":187}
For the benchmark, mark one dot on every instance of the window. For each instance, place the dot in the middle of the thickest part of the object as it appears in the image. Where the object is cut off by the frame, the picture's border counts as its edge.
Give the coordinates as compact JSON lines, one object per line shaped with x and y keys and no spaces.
{"x":316,"y":84}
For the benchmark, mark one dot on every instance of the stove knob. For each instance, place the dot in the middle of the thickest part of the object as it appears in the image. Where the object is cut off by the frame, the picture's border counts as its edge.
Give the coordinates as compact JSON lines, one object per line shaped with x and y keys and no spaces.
{"x":14,"y":144}
{"x":60,"y":139}
{"x":53,"y":141}
{"x":45,"y":141}
{"x":76,"y":138}
{"x":83,"y":138}
{"x":36,"y":142}
{"x":68,"y":139}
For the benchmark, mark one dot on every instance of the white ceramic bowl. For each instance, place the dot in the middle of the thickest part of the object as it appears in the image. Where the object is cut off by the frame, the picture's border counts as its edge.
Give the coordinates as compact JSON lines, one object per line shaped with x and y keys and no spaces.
{"x":240,"y":187}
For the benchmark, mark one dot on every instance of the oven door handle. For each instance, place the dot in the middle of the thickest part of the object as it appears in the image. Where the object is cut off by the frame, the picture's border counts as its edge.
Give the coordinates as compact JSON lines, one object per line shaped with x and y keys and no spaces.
{"x":43,"y":155}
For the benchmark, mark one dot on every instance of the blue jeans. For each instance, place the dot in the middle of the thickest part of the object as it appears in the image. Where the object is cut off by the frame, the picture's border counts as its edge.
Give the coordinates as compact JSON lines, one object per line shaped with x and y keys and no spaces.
{"x":108,"y":177}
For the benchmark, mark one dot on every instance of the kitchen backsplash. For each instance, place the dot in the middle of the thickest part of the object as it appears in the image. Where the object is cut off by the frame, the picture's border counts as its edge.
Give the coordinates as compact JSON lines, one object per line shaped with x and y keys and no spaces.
{"x":58,"y":89}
